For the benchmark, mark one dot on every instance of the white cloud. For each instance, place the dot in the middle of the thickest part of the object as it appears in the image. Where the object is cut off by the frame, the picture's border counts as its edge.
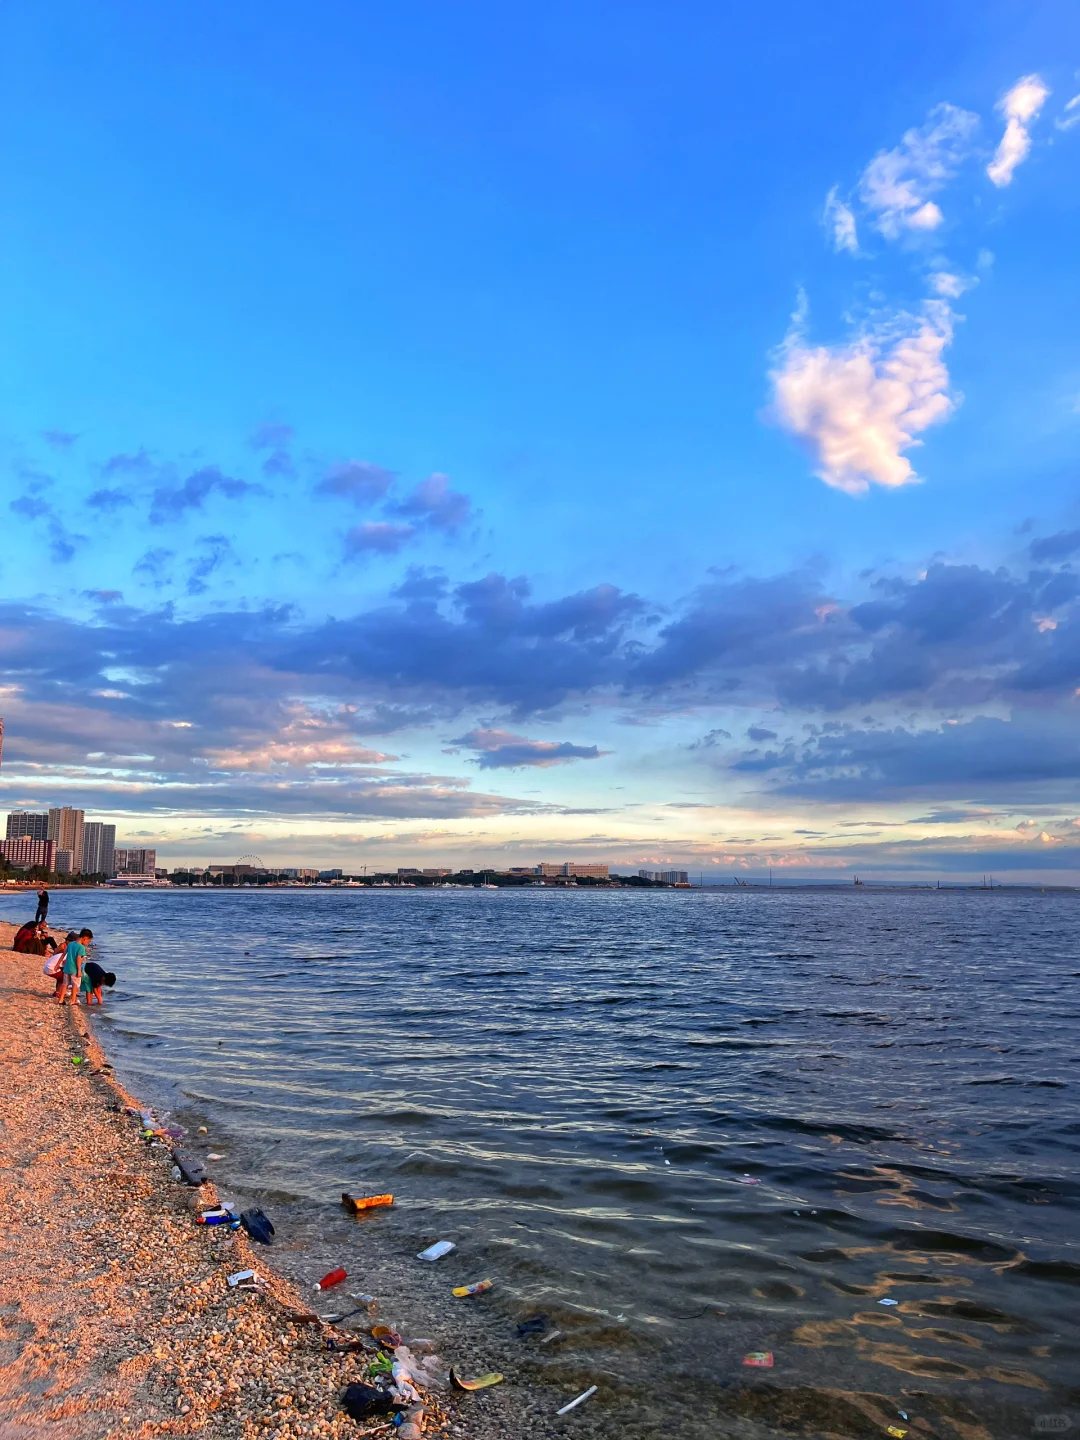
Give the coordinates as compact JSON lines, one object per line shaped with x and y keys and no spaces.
{"x":1070,"y":115}
{"x":950,"y":286}
{"x":897,"y":184}
{"x":840,"y":221}
{"x":860,"y":405}
{"x":1020,"y":107}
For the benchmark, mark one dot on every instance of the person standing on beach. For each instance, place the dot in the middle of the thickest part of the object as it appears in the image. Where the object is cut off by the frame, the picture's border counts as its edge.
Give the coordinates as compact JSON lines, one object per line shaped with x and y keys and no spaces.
{"x":42,"y":906}
{"x":71,"y":970}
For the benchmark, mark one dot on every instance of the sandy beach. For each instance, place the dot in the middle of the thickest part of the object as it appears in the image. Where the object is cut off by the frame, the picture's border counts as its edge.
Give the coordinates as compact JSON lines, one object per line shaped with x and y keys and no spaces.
{"x":115,"y":1314}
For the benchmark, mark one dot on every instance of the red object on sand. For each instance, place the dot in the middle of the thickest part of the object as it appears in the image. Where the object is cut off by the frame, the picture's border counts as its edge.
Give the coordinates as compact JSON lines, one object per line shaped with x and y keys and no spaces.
{"x":335,"y":1277}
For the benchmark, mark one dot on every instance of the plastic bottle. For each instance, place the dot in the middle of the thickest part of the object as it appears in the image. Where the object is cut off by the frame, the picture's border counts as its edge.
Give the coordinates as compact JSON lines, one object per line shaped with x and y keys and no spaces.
{"x":334,"y":1277}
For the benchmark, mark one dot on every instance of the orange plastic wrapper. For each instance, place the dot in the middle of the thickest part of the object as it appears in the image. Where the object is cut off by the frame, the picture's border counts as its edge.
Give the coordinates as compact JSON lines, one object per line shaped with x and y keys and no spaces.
{"x":358,"y":1203}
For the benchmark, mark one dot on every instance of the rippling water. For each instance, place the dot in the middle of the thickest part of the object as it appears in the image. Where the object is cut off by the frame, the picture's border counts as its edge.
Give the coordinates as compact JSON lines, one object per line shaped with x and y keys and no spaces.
{"x":684,"y":1125}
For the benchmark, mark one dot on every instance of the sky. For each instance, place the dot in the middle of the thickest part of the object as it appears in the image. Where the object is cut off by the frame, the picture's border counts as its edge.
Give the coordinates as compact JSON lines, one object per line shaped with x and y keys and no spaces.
{"x":458,"y":435}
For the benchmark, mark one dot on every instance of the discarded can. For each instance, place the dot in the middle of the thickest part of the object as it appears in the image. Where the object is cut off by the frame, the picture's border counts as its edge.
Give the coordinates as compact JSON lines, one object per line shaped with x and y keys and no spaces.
{"x":763,"y":1359}
{"x":437,"y":1251}
{"x":241,"y":1276}
{"x":478,"y":1289}
{"x":333,"y":1277}
{"x":480,"y":1383}
{"x":575,"y":1403}
{"x":358,"y":1203}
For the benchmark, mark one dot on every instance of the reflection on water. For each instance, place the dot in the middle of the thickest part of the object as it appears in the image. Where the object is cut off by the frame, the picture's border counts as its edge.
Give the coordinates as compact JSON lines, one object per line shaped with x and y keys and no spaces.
{"x":685,"y":1126}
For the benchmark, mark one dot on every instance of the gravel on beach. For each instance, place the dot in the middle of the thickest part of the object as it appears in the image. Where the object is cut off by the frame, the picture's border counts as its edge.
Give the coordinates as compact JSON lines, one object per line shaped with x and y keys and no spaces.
{"x":116,"y":1318}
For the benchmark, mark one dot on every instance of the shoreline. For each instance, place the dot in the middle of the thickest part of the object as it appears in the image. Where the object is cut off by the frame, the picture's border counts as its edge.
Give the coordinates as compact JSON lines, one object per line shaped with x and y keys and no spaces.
{"x":116,"y":1318}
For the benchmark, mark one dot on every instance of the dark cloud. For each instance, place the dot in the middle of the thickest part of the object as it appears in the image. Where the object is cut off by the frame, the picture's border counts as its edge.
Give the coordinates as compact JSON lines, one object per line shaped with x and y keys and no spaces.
{"x":356,"y":480}
{"x":154,"y":564}
{"x":982,"y":758}
{"x":377,"y":536}
{"x":710,"y":739}
{"x":736,"y":629}
{"x":501,"y":750}
{"x":171,"y":501}
{"x":59,"y":439}
{"x":63,"y":544}
{"x":433,"y":503}
{"x":109,"y":500}
{"x":759,"y":733}
{"x":274,"y":441}
{"x":1055,"y":547}
{"x":30,"y":507}
{"x":104,"y":597}
{"x":139,"y":463}
{"x":216,"y":552}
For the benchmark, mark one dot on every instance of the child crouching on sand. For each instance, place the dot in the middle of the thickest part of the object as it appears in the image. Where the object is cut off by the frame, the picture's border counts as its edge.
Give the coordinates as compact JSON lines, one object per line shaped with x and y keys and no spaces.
{"x":71,"y":970}
{"x":93,"y":978}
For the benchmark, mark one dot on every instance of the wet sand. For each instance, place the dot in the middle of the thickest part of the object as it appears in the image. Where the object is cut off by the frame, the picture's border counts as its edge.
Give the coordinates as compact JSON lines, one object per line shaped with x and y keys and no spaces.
{"x":115,"y":1315}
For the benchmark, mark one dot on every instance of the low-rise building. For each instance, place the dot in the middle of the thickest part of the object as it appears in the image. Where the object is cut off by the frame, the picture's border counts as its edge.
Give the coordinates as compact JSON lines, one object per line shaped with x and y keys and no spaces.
{"x":26,"y":854}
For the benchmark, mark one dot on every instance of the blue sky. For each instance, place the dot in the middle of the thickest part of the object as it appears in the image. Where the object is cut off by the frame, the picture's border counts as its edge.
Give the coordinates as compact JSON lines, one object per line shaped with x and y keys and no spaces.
{"x":617,"y":432}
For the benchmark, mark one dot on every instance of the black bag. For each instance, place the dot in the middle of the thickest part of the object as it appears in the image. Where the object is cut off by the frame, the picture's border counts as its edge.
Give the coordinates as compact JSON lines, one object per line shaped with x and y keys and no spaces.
{"x":362,"y":1401}
{"x":257,"y":1226}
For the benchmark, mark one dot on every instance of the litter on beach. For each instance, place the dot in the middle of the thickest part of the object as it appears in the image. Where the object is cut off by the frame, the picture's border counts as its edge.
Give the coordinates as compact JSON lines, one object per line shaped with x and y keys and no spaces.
{"x":258,"y":1226}
{"x":189,"y":1167}
{"x":895,"y":1430}
{"x":333,"y":1277}
{"x":533,"y":1325}
{"x":482,"y":1382}
{"x":888,"y":1302}
{"x":761,"y":1359}
{"x":574,"y":1403}
{"x":437,"y":1251}
{"x":477,"y":1289}
{"x":241,"y":1276}
{"x":215,"y":1157}
{"x":359,"y":1203}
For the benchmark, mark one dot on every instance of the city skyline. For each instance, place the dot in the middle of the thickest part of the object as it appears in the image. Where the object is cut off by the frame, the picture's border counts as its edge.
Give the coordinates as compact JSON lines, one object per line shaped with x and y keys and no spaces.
{"x":641,"y":443}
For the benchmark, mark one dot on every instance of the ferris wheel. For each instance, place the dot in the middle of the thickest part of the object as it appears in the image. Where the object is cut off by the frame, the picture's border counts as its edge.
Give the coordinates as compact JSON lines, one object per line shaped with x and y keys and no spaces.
{"x":252,"y":860}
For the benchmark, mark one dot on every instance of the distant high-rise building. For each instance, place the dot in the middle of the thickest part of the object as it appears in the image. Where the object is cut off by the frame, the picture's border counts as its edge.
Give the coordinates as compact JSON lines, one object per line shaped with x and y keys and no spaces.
{"x":66,"y":832}
{"x":26,"y":822}
{"x":99,"y":849}
{"x":65,"y":861}
{"x":26,"y":853}
{"x":128,"y":861}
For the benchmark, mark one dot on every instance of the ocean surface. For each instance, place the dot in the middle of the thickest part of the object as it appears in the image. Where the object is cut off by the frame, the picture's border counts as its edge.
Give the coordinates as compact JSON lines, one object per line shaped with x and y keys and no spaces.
{"x":683,"y":1126}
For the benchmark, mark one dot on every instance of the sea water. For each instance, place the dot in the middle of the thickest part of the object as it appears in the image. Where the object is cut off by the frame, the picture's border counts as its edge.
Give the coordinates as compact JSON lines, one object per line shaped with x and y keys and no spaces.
{"x":683,"y":1126}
